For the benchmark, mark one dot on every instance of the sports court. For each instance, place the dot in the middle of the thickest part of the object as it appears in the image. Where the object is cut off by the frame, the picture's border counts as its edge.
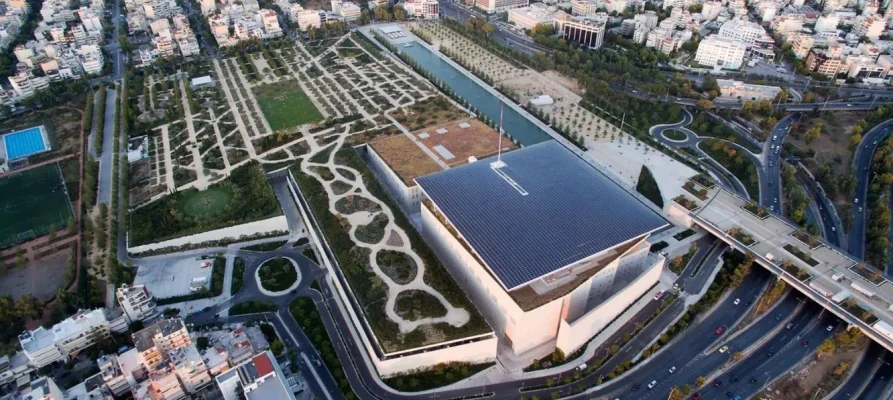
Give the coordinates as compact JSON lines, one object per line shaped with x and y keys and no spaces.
{"x":24,"y":143}
{"x":31,"y":202}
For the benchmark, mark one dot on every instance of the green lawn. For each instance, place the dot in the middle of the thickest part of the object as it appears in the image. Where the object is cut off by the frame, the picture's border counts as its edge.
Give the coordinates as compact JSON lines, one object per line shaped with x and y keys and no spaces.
{"x":207,"y":202}
{"x":285,"y":105}
{"x":31,"y":202}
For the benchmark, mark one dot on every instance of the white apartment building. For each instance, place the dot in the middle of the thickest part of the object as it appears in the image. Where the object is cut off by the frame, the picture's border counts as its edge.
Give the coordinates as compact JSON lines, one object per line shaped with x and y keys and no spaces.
{"x":311,"y":18}
{"x":348,"y":11}
{"x":737,"y":90}
{"x":785,"y":26}
{"x":585,"y":8}
{"x":718,"y":52}
{"x":137,"y":302}
{"x":72,"y":335}
{"x":802,"y":44}
{"x":743,"y":31}
{"x":112,"y":375}
{"x":640,"y":35}
{"x":826,"y":23}
{"x":259,"y":378}
{"x":711,"y":9}
{"x":425,"y":9}
{"x":648,"y":19}
{"x":496,"y":6}
{"x":871,"y":27}
{"x":208,"y":7}
{"x":270,"y":22}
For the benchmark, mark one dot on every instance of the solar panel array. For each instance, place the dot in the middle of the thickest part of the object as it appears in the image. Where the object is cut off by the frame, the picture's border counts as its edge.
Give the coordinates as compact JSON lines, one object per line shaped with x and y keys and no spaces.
{"x":571,"y":211}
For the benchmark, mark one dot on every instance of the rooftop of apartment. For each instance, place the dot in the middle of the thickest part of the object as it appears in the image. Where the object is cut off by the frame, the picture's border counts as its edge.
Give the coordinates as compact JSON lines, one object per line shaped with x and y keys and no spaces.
{"x":145,"y":339}
{"x":429,"y":149}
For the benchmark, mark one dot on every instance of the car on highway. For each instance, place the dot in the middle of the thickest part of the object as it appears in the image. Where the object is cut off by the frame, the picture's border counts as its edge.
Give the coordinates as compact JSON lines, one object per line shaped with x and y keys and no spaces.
{"x":733,"y":379}
{"x":720,"y":330}
{"x":717,"y":383}
{"x":753,"y":380}
{"x":736,"y":398}
{"x":729,"y":394}
{"x":723,"y":349}
{"x":849,"y":105}
{"x":778,"y":317}
{"x":737,"y":301}
{"x":636,"y":387}
{"x":696,"y":396}
{"x":860,"y":209}
{"x":770,"y":353}
{"x":856,"y":200}
{"x":804,"y":343}
{"x":658,"y":294}
{"x":789,"y":326}
{"x":830,"y":328}
{"x":672,"y":369}
{"x":652,"y":385}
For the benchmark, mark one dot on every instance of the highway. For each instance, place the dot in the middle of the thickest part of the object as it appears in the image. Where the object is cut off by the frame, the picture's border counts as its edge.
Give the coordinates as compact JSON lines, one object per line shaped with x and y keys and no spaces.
{"x":864,"y":372}
{"x":880,"y":383}
{"x":771,"y":157}
{"x":511,"y":39}
{"x":862,"y":166}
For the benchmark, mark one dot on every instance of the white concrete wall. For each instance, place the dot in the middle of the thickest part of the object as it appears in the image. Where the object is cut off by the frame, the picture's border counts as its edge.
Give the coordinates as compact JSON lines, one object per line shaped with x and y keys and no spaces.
{"x":279,"y":223}
{"x":678,"y":215}
{"x":474,"y":352}
{"x":408,"y":197}
{"x":526,"y":330}
{"x":572,"y":336}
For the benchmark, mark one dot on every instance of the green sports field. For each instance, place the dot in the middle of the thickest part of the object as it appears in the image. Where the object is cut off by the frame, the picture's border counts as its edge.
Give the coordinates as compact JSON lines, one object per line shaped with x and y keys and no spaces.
{"x":30,"y":203}
{"x":285,"y":105}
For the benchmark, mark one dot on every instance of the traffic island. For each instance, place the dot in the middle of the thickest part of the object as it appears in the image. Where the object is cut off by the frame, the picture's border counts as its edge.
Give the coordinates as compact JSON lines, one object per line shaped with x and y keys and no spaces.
{"x":278,"y":276}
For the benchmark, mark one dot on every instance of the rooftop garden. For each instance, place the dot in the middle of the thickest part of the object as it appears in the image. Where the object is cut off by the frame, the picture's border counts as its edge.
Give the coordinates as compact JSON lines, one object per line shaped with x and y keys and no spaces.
{"x":755,"y":209}
{"x":700,"y":193}
{"x":703,"y":180}
{"x":685,"y":202}
{"x":794,"y":270}
{"x":853,"y":307}
{"x":806,"y":257}
{"x":869,"y":273}
{"x":740,"y":236}
{"x":807,"y":239}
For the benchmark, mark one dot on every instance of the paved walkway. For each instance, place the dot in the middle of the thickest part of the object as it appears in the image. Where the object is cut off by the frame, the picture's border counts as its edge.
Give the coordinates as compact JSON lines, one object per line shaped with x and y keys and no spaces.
{"x":394,"y":238}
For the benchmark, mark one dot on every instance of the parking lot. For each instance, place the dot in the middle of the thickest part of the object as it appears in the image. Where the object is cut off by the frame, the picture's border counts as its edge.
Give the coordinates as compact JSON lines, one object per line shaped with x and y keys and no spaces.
{"x":173,"y":277}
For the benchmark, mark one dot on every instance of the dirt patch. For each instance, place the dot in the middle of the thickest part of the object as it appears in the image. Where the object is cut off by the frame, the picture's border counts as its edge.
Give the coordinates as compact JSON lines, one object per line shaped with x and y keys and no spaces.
{"x":826,"y":374}
{"x":40,"y":278}
{"x":832,"y":146}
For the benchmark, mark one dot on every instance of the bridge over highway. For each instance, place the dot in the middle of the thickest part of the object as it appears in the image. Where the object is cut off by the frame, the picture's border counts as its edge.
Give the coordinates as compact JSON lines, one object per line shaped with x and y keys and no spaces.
{"x":852,"y":290}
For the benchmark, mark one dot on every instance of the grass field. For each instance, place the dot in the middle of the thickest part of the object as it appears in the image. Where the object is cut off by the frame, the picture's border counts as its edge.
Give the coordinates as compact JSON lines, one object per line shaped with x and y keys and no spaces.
{"x":285,"y":105}
{"x":30,"y":203}
{"x":206,"y":202}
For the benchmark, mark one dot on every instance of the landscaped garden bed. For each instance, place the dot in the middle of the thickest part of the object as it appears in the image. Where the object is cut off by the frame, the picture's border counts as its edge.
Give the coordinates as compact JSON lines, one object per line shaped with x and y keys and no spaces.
{"x":689,"y":186}
{"x":704,"y":180}
{"x":436,"y":376}
{"x":869,"y":273}
{"x":685,"y":202}
{"x":807,"y":239}
{"x":792,"y":269}
{"x":684,"y":234}
{"x":740,"y":236}
{"x":304,"y":312}
{"x":370,"y":291}
{"x":801,"y":255}
{"x":755,"y":209}
{"x":245,"y":196}
{"x":853,"y":307}
{"x":278,"y":274}
{"x":252,"y":307}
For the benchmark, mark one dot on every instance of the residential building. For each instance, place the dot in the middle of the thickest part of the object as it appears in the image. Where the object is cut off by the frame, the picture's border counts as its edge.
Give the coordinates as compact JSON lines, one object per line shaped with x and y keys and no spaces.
{"x":585,"y":8}
{"x":721,"y":52}
{"x":156,"y":341}
{"x":208,"y":7}
{"x":743,"y":31}
{"x":826,"y":62}
{"x":827,"y":23}
{"x":137,"y":302}
{"x":43,"y":388}
{"x":424,"y":9}
{"x":112,"y":375}
{"x":802,"y":44}
{"x":69,"y":337}
{"x":871,"y":27}
{"x":259,"y":378}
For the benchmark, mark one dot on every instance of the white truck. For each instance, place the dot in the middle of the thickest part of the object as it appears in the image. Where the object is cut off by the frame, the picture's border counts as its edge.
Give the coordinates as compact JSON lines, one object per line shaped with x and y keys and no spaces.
{"x":841,"y":296}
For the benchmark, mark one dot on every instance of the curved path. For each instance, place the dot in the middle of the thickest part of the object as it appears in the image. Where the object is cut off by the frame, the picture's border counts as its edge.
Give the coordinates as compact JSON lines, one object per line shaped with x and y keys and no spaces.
{"x":394,"y":238}
{"x":729,"y":180}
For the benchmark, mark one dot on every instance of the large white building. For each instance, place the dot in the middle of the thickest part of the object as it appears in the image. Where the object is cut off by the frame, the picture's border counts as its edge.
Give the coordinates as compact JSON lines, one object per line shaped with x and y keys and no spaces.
{"x":551,"y":250}
{"x":72,"y":335}
{"x":586,"y":32}
{"x":743,"y":31}
{"x":718,"y":52}
{"x":871,"y":27}
{"x":495,"y":6}
{"x":535,"y":14}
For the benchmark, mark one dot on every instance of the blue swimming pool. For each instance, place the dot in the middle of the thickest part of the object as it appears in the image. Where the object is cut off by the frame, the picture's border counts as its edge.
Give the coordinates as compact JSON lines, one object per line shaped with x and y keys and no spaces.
{"x":24,"y":143}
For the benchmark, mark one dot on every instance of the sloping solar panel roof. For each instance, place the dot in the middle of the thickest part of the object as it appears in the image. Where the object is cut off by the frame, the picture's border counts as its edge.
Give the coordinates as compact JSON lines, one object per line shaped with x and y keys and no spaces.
{"x":570,"y":211}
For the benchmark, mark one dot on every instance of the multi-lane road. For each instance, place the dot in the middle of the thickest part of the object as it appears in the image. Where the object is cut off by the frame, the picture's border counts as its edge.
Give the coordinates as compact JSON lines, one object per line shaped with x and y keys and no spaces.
{"x":862,"y":165}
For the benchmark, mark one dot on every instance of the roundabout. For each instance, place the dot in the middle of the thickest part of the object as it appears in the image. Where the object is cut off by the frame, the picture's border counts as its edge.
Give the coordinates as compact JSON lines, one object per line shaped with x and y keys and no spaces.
{"x":674,"y":135}
{"x":277,"y":276}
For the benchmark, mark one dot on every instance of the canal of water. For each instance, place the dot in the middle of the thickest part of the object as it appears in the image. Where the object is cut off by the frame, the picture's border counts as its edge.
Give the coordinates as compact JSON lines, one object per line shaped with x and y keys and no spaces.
{"x":516,"y":125}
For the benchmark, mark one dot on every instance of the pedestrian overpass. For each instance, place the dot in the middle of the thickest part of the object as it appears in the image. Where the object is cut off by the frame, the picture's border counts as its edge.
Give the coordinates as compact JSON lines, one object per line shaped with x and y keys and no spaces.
{"x":853,"y":291}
